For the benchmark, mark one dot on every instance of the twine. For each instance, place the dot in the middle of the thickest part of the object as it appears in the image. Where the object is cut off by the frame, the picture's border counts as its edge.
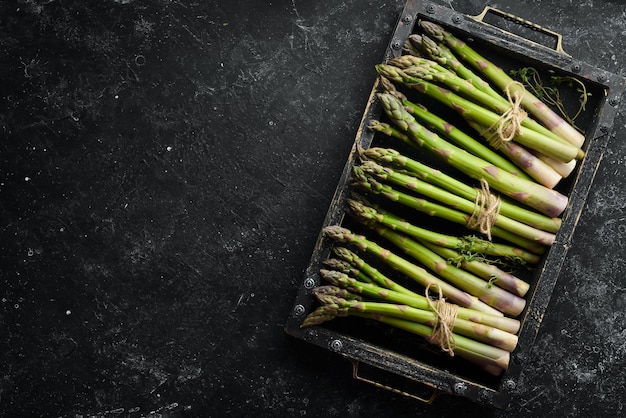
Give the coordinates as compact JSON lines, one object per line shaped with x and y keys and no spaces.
{"x":445,"y":316}
{"x":486,"y":210}
{"x":509,"y":124}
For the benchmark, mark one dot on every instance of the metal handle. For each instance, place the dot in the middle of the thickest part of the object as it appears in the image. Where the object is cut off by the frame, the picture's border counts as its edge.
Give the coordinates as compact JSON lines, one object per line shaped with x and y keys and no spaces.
{"x":355,"y":375}
{"x":558,"y":47}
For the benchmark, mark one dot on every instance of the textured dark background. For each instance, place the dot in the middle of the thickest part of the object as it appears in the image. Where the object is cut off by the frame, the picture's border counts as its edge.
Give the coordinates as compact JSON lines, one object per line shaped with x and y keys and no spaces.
{"x":165,"y":167}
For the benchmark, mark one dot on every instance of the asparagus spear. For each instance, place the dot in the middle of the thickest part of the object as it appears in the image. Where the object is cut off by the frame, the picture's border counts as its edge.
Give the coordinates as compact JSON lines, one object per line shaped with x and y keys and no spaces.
{"x":545,"y":200}
{"x":442,"y":55}
{"x":410,"y":49}
{"x":410,"y":61}
{"x":564,"y":169}
{"x":413,"y":271}
{"x":387,"y":155}
{"x":347,"y":268}
{"x":332,"y":290}
{"x":496,"y":75}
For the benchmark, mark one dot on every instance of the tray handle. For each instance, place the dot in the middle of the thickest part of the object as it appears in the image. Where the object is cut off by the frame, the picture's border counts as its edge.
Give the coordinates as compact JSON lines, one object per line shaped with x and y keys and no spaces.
{"x":558,"y":47}
{"x":426,"y":399}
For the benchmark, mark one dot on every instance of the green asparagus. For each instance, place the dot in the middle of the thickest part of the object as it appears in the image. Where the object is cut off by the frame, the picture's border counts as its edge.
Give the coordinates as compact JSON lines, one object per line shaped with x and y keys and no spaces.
{"x":411,"y":270}
{"x":499,"y":77}
{"x":543,"y":199}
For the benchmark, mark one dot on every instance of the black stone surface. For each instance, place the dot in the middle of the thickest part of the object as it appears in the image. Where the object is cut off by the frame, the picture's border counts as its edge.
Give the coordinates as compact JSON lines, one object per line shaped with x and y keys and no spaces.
{"x":165,"y":167}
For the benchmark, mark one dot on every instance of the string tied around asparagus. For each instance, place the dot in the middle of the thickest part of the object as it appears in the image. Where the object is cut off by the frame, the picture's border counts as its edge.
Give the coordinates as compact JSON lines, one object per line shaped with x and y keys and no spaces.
{"x":509,"y":124}
{"x":486,"y":210}
{"x":445,"y":316}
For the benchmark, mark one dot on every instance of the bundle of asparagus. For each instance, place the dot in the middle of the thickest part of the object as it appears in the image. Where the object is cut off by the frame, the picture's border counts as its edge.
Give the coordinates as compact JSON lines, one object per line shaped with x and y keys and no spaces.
{"x":503,"y":190}
{"x":482,"y":337}
{"x":496,"y":75}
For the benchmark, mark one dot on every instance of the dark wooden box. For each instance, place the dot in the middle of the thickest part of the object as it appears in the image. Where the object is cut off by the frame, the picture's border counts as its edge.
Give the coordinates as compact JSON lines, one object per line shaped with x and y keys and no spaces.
{"x":404,"y":366}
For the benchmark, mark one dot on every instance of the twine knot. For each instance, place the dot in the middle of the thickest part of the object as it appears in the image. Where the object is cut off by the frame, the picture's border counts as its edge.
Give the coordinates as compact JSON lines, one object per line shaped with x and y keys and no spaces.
{"x":486,"y":210}
{"x":509,"y":124}
{"x":445,"y":316}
